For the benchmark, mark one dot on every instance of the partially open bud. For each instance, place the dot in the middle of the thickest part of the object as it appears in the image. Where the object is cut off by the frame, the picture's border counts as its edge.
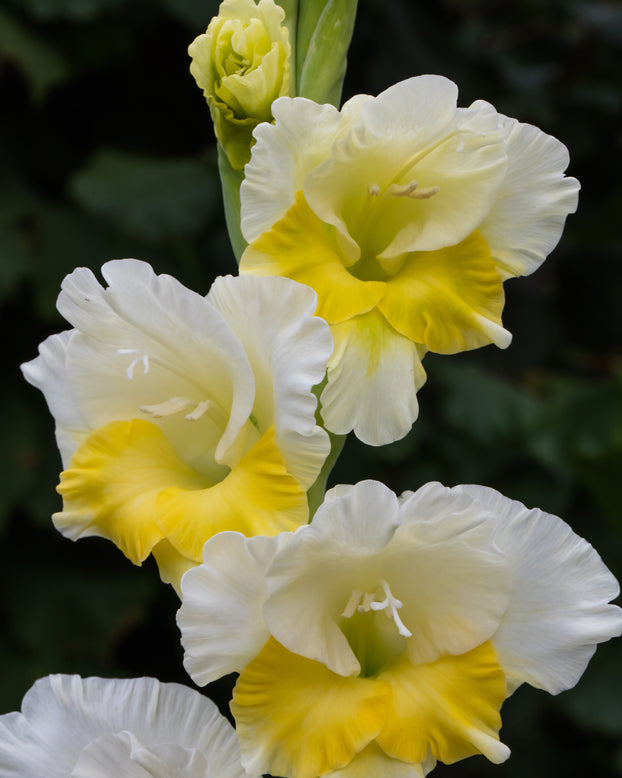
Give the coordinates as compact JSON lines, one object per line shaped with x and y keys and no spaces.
{"x":242,"y":64}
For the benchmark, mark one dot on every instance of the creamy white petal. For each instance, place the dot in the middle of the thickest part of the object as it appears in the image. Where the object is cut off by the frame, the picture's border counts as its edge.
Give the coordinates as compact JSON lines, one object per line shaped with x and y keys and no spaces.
{"x":285,"y":152}
{"x":122,"y":754}
{"x":408,"y":134}
{"x":62,"y":715}
{"x":445,"y":568}
{"x":528,"y":216}
{"x":288,"y":348}
{"x":559,"y":604}
{"x":384,"y":369}
{"x":312,"y":579}
{"x":48,"y":372}
{"x":220,"y":618}
{"x":147,"y":338}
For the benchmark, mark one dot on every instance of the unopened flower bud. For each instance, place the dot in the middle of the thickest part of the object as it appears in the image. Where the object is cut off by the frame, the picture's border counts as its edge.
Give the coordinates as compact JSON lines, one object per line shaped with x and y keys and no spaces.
{"x":242,"y":64}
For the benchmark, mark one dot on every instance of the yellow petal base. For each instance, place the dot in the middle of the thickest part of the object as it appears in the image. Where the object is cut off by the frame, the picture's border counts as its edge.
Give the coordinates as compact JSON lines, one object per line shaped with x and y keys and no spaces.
{"x":112,"y":483}
{"x":450,"y":707}
{"x":296,"y":717}
{"x":127,"y":483}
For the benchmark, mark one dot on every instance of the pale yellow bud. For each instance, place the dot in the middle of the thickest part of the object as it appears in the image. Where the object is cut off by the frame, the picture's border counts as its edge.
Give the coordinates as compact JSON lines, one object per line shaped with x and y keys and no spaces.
{"x":242,"y":64}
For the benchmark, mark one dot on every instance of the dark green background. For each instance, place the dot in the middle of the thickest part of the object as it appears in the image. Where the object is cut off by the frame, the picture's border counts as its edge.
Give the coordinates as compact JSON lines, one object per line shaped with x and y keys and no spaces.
{"x":107,"y":151}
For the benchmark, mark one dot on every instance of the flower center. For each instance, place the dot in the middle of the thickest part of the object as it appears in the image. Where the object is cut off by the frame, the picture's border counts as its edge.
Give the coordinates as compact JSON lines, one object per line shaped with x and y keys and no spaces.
{"x":173,"y":405}
{"x":178,"y":404}
{"x":363,"y":603}
{"x":410,"y":190}
{"x":375,"y":641}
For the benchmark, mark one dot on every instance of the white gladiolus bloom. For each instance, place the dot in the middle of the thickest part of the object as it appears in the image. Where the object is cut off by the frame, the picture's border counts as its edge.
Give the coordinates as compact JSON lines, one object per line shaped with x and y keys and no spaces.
{"x":179,"y":416}
{"x":386,"y":635}
{"x":137,"y":728}
{"x":405,"y":213}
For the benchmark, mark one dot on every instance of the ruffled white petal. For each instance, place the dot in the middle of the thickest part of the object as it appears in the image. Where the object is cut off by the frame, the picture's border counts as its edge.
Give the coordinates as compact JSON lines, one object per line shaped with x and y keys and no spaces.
{"x":559,"y":604}
{"x":220,"y":618}
{"x":123,"y":755}
{"x":528,"y":216}
{"x":447,"y":571}
{"x":408,"y":134}
{"x":62,"y":715}
{"x":288,"y":348}
{"x":145,"y":339}
{"x":312,"y":579}
{"x":286,"y":151}
{"x":48,"y":372}
{"x":373,"y":378}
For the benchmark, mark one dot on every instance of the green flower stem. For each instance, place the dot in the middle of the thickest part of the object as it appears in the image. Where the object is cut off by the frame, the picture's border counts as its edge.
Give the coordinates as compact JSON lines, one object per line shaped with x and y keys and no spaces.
{"x":315,"y":495}
{"x":231,"y":181}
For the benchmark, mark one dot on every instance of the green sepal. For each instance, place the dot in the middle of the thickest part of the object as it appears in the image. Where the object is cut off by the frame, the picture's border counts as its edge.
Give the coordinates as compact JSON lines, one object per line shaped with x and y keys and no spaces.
{"x":324,"y":33}
{"x":291,"y":22}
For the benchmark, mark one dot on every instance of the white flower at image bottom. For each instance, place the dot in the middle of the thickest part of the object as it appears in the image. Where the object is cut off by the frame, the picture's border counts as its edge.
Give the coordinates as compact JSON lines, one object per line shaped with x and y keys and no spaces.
{"x":405,"y":213}
{"x":179,"y":416}
{"x":111,"y":728}
{"x":386,"y":635}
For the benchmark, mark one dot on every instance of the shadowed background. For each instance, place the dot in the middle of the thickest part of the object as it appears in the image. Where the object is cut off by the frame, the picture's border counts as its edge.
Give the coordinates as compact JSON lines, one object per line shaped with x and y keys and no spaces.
{"x":107,"y":151}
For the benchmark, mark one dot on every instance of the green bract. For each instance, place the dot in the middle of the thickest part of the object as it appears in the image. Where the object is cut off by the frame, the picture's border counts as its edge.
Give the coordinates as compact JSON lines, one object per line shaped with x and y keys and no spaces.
{"x":242,"y":64}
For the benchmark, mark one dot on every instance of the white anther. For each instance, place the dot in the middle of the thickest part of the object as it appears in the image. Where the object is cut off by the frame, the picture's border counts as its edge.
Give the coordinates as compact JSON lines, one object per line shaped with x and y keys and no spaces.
{"x":412,"y":191}
{"x":350,"y":608}
{"x":373,"y":189}
{"x":199,"y":411}
{"x":168,"y":407}
{"x":365,"y":606}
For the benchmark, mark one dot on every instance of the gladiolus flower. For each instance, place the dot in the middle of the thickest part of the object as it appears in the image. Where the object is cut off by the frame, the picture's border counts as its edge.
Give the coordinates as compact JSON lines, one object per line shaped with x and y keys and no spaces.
{"x":405,"y":214}
{"x":70,"y":726}
{"x":386,"y":635}
{"x":242,"y":64}
{"x":179,"y":416}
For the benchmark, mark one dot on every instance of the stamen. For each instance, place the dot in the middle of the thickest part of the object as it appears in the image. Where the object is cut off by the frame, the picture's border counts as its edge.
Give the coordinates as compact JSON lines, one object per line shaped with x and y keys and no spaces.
{"x":350,"y":608}
{"x":199,"y":411}
{"x":144,"y":358}
{"x":393,"y":604}
{"x":366,"y":604}
{"x":373,"y":189}
{"x":168,"y":407}
{"x":412,"y":191}
{"x":389,"y":605}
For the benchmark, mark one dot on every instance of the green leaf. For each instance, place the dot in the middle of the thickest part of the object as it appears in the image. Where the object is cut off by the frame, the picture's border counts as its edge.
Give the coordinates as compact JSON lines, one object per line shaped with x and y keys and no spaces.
{"x":15,"y":264}
{"x":19,"y":450}
{"x":148,"y":197}
{"x":487,"y":408}
{"x":41,"y":65}
{"x":596,"y":702}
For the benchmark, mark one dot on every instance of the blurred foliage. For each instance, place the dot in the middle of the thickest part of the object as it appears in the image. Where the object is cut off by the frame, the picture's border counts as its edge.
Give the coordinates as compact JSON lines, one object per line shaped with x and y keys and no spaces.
{"x":107,"y":151}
